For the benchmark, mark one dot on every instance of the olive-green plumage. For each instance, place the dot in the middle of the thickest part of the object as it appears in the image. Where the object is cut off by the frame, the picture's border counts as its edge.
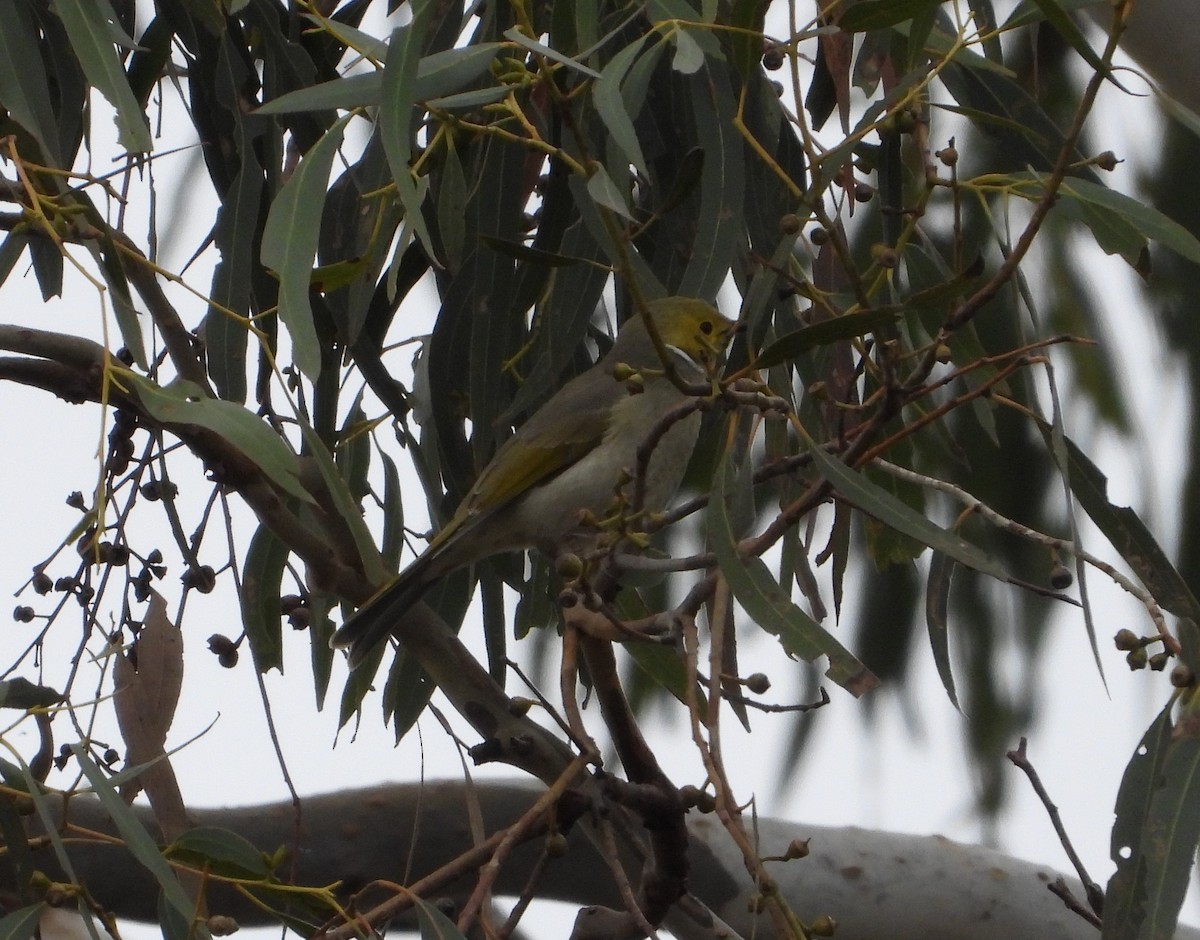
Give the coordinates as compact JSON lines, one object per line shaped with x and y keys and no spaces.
{"x":565,"y":459}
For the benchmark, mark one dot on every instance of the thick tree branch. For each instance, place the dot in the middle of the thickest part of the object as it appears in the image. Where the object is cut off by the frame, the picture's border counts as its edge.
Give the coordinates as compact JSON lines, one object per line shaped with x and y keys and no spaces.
{"x":876,"y":885}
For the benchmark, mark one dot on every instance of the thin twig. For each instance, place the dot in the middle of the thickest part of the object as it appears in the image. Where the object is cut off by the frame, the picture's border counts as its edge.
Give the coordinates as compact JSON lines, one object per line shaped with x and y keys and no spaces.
{"x":975,"y":505}
{"x":779,"y":709}
{"x":1095,"y":893}
{"x":513,"y":835}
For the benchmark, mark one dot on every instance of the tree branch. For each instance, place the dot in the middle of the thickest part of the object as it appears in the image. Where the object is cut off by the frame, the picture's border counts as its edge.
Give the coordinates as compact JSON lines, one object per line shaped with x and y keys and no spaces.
{"x":876,"y":885}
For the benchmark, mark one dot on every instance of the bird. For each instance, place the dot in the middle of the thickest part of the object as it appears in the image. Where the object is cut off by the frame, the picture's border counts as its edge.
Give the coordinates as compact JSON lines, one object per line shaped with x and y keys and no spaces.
{"x":566,"y":460}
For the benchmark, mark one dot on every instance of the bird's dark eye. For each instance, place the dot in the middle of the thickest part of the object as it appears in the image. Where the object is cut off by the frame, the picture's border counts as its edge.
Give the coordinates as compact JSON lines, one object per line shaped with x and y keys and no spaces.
{"x":706,"y":327}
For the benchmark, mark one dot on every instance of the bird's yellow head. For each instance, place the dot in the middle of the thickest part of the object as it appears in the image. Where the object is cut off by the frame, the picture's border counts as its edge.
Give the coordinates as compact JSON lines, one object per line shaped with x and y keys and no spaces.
{"x":690,"y":328}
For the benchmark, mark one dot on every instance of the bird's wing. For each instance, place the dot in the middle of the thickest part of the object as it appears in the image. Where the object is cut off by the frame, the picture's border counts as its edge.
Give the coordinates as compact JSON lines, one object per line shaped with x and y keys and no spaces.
{"x":536,"y":455}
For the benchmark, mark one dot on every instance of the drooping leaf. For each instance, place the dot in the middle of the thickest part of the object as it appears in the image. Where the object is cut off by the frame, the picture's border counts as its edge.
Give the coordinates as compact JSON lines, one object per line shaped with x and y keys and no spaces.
{"x":1127,"y":533}
{"x":452,"y":195}
{"x":613,"y":109}
{"x":289,"y":244}
{"x":24,"y":90}
{"x":140,"y":844}
{"x":346,"y":505}
{"x":262,"y":575}
{"x":515,"y":34}
{"x":148,"y":681}
{"x":184,"y":403}
{"x":769,"y":605}
{"x":890,"y":510}
{"x":396,"y":116}
{"x":719,"y":221}
{"x":20,"y":693}
{"x":689,"y":57}
{"x":108,"y":257}
{"x":225,"y":338}
{"x":847,"y":326}
{"x":90,"y":31}
{"x":219,"y":851}
{"x":1155,"y":834}
{"x":604,"y":191}
{"x":937,"y":621}
{"x":22,"y":923}
{"x":1057,"y":15}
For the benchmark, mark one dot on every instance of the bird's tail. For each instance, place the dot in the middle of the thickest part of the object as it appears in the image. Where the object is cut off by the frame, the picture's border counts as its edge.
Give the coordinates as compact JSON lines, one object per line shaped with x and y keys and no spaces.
{"x":372,"y":623}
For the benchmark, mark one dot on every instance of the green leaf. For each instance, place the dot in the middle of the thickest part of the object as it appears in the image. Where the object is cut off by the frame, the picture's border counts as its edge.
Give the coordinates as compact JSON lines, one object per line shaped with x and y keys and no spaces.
{"x":747,"y":19}
{"x":23,"y":694}
{"x":220,"y":851}
{"x":289,"y":244}
{"x":447,"y":71}
{"x":262,"y":574}
{"x":343,"y":94}
{"x":604,"y":191}
{"x":689,"y":57}
{"x":937,"y":603}
{"x":1127,"y":533}
{"x":434,"y":925}
{"x":24,"y":90}
{"x":612,"y":108}
{"x":393,"y":514}
{"x":523,"y":252}
{"x":139,"y":842}
{"x":104,"y":250}
{"x":346,"y":505}
{"x":664,"y":668}
{"x":183,"y":403}
{"x":438,"y":75}
{"x":396,"y":116}
{"x":848,"y":326}
{"x":90,"y":34}
{"x":1110,"y":215}
{"x":768,"y":604}
{"x":516,"y":35}
{"x":1028,"y":12}
{"x":17,"y":865}
{"x":452,"y":195}
{"x":1057,"y":15}
{"x":888,"y":509}
{"x":225,"y":338}
{"x":885,"y":545}
{"x":469,"y":100}
{"x":1155,"y":834}
{"x":1023,"y":134}
{"x":22,"y":923}
{"x":719,"y":220}
{"x":409,"y":687}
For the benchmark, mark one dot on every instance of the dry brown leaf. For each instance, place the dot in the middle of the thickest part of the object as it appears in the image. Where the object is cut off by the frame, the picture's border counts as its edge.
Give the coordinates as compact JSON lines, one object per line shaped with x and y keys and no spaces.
{"x":145,"y":702}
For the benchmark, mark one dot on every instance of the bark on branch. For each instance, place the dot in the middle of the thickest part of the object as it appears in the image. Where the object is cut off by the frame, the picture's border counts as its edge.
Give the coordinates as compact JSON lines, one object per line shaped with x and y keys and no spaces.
{"x":874,"y":884}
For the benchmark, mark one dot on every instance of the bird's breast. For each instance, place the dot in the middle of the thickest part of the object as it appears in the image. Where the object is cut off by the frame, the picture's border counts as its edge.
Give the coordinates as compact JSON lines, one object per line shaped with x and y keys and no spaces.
{"x":590,"y":483}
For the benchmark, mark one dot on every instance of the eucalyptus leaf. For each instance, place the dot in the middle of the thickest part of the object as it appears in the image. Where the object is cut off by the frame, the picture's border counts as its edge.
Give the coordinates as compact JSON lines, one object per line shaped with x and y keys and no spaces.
{"x":890,"y":510}
{"x":90,"y":32}
{"x":184,"y":403}
{"x":140,"y":843}
{"x":515,"y":34}
{"x":768,"y":604}
{"x":847,"y":326}
{"x":22,"y":924}
{"x":262,"y":574}
{"x":24,"y":88}
{"x":289,"y":244}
